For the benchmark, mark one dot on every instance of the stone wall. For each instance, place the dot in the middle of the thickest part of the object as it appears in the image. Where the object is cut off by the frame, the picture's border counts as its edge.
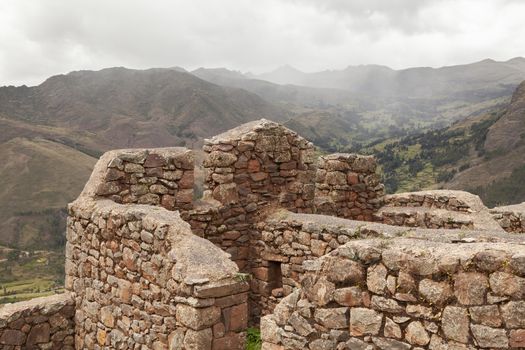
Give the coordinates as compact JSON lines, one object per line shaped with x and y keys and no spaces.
{"x":347,"y":186}
{"x":41,"y":323}
{"x":405,"y":293}
{"x":161,"y":176}
{"x":260,"y":163}
{"x":141,"y":277}
{"x":248,"y":171}
{"x":510,"y":217}
{"x":449,"y":200}
{"x":437,"y":209}
{"x":288,"y":240}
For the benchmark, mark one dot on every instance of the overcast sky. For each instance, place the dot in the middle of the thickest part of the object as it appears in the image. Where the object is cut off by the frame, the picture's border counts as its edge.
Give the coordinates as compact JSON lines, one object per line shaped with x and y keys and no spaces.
{"x":41,"y":38}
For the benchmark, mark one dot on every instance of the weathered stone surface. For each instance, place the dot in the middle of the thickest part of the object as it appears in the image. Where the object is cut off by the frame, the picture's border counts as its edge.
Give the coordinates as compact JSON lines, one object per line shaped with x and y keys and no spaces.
{"x":517,"y":338}
{"x":435,"y":292}
{"x":321,"y":292}
{"x":502,"y":283}
{"x":470,"y":288}
{"x":376,"y":278}
{"x":12,"y":337}
{"x":488,"y":337}
{"x":197,"y":318}
{"x":487,"y":315}
{"x":198,"y":339}
{"x":333,"y":318}
{"x":364,"y":321}
{"x":300,"y":324}
{"x":322,"y":344}
{"x":392,"y":329}
{"x":386,"y":305}
{"x":514,"y":314}
{"x":343,"y":270}
{"x":226,"y":193}
{"x":390,"y":344}
{"x":236,"y":317}
{"x":106,"y":316}
{"x":220,"y":159}
{"x":416,"y":334}
{"x":270,"y":331}
{"x":351,"y":296}
{"x":357,"y":344}
{"x":455,"y":324}
{"x":406,"y":282}
{"x":39,"y":334}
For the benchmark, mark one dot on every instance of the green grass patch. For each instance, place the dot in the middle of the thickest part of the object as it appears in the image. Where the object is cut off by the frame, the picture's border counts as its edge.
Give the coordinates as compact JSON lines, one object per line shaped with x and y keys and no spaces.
{"x":253,"y":339}
{"x":31,"y":274}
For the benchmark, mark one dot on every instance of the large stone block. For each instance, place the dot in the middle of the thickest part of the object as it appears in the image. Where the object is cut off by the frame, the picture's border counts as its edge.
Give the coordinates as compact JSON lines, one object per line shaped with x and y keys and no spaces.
{"x":197,"y":318}
{"x":364,"y":321}
{"x":455,"y":324}
{"x":470,"y":288}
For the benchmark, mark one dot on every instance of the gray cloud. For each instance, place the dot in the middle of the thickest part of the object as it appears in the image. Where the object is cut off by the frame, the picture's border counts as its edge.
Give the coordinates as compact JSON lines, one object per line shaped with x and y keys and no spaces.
{"x":42,"y":38}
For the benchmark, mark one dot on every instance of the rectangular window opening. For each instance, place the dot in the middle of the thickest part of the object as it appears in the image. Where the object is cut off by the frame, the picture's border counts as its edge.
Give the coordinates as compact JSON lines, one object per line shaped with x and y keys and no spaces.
{"x":275,"y":276}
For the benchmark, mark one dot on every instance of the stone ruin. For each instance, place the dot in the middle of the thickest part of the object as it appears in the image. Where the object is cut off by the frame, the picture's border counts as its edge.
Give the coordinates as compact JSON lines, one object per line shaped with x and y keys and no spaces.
{"x":307,"y":247}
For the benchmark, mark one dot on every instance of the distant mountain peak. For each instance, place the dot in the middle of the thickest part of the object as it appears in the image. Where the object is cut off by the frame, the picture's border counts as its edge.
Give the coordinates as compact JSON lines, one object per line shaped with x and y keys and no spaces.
{"x":488,"y":61}
{"x":518,"y":59}
{"x":286,"y":69}
{"x":206,"y":73}
{"x":178,"y":69}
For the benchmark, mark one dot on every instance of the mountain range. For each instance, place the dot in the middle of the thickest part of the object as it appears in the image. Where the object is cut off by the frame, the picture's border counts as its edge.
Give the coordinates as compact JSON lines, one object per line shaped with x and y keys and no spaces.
{"x":53,"y":133}
{"x":380,"y":102}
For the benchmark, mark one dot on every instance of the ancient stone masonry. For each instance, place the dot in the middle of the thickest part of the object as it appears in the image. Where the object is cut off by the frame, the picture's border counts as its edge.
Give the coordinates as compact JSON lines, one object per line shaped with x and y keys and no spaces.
{"x":248,"y":169}
{"x":150,"y":267}
{"x":260,"y":163}
{"x":141,"y":278}
{"x":42,"y":323}
{"x":510,"y":217}
{"x":404,"y":293}
{"x":162,"y":176}
{"x":347,"y":186}
{"x":289,"y":240}
{"x":437,"y":209}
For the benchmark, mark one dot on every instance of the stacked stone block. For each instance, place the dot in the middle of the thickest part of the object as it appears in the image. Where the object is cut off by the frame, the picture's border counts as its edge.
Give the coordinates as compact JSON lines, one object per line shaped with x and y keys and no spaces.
{"x":162,"y":176}
{"x":250,"y":169}
{"x":292,"y":239}
{"x":449,"y":200}
{"x":41,"y":323}
{"x":511,"y":218}
{"x":438,"y":209}
{"x":260,"y":163}
{"x":347,"y":186}
{"x":141,"y":278}
{"x":405,"y":294}
{"x":434,"y":219}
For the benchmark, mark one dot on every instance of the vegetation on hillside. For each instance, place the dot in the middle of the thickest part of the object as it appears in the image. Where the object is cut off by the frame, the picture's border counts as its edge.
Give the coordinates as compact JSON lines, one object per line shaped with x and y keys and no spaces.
{"x":29,"y":274}
{"x":508,"y":190}
{"x":421,"y":161}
